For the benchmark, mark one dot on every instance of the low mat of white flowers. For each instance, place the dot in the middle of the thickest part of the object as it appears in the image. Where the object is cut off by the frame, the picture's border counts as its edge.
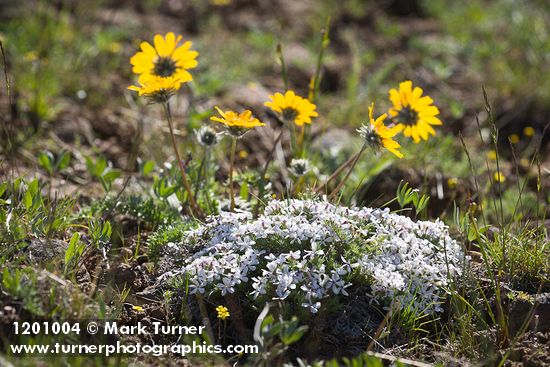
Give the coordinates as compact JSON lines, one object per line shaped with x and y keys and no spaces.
{"x":308,"y":250}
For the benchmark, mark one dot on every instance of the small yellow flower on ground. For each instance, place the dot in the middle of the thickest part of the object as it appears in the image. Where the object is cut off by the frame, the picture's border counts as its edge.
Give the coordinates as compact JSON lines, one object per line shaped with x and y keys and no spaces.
{"x":243,"y":154}
{"x":413,"y":113}
{"x":237,"y":123}
{"x":499,"y":177}
{"x":378,"y":135}
{"x":138,"y":309}
{"x":452,"y":182}
{"x":31,"y":56}
{"x":514,"y":138}
{"x":292,"y":108}
{"x":528,"y":131}
{"x":165,"y":59}
{"x":492,"y":155}
{"x":223,"y":312}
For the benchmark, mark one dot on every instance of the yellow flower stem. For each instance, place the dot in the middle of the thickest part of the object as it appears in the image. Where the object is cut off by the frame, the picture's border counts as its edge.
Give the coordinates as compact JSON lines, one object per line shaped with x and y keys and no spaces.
{"x":201,"y":186}
{"x":202,"y":167}
{"x":270,"y":155}
{"x":335,"y":174}
{"x":293,"y":143}
{"x":231,"y":168}
{"x":264,"y":171}
{"x":301,"y":141}
{"x":298,"y":185}
{"x":194,"y":208}
{"x":341,"y":184}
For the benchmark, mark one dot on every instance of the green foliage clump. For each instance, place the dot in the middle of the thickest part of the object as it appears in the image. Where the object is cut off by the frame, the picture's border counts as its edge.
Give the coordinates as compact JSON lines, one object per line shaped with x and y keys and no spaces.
{"x":148,"y":210}
{"x":26,"y":212}
{"x":166,"y":234}
{"x":526,"y":256}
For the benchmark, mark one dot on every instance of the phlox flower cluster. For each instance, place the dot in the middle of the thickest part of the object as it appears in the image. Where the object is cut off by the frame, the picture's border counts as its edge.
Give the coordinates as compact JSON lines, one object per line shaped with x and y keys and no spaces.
{"x":309,"y":250}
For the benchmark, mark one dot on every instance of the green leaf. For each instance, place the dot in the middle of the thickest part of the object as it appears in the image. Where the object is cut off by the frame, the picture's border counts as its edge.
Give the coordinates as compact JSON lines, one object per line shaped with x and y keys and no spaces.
{"x":3,"y":188}
{"x":63,"y":161}
{"x":244,"y":191}
{"x":267,"y":321}
{"x":472,"y":234}
{"x":294,"y":336}
{"x":74,"y":250}
{"x":111,"y":175}
{"x":148,"y":167}
{"x":90,"y":165}
{"x":108,"y":177}
{"x":27,"y":200}
{"x":100,"y":166}
{"x":45,"y":160}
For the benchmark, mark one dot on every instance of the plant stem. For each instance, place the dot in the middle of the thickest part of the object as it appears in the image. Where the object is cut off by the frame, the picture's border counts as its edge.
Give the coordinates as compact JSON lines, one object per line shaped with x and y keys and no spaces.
{"x":293,"y":141}
{"x":283,"y":65}
{"x":301,"y":142}
{"x":298,"y":185}
{"x":337,"y":188}
{"x":232,"y":167}
{"x":264,"y":172}
{"x":316,"y":78}
{"x":199,"y":176}
{"x":336,"y":173}
{"x":266,"y":165}
{"x":194,"y":208}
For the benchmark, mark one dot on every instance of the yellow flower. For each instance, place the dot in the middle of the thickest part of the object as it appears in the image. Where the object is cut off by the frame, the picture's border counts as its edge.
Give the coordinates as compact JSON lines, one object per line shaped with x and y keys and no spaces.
{"x":412,"y":112}
{"x":237,"y":123}
{"x":514,"y":138}
{"x":158,"y":89}
{"x":452,"y":182}
{"x":499,"y":177}
{"x":492,"y":155}
{"x":243,"y":154}
{"x":528,"y":131}
{"x":138,"y":309}
{"x":31,"y":56}
{"x":377,"y":135}
{"x":166,"y":59}
{"x":223,"y":312}
{"x":291,"y":107}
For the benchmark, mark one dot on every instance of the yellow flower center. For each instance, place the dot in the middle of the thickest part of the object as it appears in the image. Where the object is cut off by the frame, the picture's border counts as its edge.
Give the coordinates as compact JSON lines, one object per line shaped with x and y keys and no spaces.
{"x":408,"y":116}
{"x":164,"y":67}
{"x":289,"y":113}
{"x":370,"y":136}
